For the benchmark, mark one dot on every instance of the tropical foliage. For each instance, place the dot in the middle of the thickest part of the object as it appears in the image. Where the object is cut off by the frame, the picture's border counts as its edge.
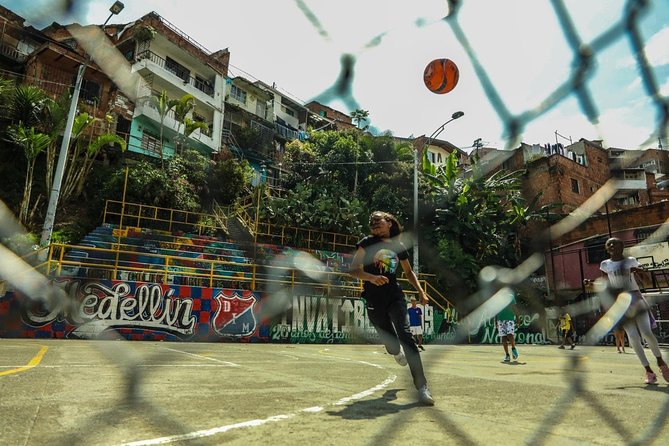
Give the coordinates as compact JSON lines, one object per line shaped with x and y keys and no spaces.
{"x":473,"y":220}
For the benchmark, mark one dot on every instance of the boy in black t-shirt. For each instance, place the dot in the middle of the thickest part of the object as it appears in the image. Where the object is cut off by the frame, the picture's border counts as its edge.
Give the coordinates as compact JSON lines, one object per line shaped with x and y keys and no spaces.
{"x":375,"y":263}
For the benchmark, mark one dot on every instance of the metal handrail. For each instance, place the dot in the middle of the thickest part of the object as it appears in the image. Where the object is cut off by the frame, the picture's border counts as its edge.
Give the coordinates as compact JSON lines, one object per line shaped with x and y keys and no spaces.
{"x":139,"y":216}
{"x":204,"y":87}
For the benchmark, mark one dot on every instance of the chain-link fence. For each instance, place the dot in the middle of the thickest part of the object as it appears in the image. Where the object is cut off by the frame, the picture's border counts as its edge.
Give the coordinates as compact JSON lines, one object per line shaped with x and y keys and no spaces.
{"x":488,"y":300}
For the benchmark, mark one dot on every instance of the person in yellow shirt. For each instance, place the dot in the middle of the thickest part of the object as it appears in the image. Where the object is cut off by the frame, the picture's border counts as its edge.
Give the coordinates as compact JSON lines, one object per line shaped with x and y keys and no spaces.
{"x":566,"y":329}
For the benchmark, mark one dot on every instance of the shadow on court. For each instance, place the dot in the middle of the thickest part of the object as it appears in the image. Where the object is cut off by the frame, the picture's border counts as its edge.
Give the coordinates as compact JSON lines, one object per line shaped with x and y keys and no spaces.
{"x":374,"y":408}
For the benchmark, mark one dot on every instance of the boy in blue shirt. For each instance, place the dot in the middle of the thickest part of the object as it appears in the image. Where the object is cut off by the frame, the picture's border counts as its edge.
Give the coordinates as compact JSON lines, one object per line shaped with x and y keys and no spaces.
{"x":416,"y":323}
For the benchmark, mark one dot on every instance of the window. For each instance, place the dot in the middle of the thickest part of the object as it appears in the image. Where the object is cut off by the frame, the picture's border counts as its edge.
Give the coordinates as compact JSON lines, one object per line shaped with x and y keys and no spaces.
{"x":439,"y":157}
{"x":290,"y":112}
{"x":574,"y":186}
{"x":203,"y":85}
{"x":322,"y":113}
{"x":90,"y":91}
{"x":150,"y":144}
{"x":208,"y":130}
{"x":261,"y":109}
{"x":238,"y":94}
{"x":128,"y":50}
{"x":595,"y":251}
{"x":179,"y":70}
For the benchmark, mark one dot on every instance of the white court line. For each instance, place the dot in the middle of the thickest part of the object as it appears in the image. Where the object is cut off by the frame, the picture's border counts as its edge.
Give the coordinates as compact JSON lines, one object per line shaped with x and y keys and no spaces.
{"x":272,"y":419}
{"x":202,"y":357}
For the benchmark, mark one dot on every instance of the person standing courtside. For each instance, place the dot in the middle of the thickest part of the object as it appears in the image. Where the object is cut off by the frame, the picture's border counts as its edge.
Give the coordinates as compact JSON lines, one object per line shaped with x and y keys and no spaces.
{"x":620,"y":272}
{"x":416,"y":323}
{"x":506,"y":328}
{"x":566,"y":327}
{"x":375,"y":262}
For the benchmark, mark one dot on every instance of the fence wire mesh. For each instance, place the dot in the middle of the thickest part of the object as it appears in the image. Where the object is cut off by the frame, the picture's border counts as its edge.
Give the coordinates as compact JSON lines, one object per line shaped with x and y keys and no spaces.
{"x":488,"y":300}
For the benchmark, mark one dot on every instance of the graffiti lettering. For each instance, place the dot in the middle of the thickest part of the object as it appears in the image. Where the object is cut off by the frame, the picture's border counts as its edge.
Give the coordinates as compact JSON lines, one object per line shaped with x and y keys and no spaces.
{"x":100,"y":308}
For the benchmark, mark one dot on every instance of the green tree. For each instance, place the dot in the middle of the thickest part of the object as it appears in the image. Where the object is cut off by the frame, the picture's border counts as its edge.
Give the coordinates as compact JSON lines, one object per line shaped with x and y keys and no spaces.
{"x":54,"y":124}
{"x":182,"y":107}
{"x":474,"y":221}
{"x":32,"y":143}
{"x":163,"y":104}
{"x":28,"y":104}
{"x":359,"y":116}
{"x":227,"y":180}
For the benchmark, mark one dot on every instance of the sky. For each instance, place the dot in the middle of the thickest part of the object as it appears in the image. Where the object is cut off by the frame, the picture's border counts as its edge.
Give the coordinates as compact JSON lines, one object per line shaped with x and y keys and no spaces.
{"x":520,"y":45}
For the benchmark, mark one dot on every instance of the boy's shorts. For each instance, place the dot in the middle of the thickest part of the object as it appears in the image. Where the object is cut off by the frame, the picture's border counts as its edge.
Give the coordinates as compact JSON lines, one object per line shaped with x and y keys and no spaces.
{"x":506,"y":328}
{"x":416,"y":330}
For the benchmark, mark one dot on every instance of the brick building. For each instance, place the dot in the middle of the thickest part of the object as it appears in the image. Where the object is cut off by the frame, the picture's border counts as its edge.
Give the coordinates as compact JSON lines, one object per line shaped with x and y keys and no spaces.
{"x":341,"y":120}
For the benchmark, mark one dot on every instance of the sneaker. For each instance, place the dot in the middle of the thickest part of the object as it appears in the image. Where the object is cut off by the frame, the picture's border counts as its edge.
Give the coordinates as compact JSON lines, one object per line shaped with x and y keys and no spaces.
{"x":421,"y":347}
{"x":400,"y":358}
{"x":425,"y":396}
{"x":507,"y":358}
{"x":651,"y":378}
{"x":514,"y":353}
{"x":573,"y":346}
{"x":665,"y":372}
{"x":562,"y":347}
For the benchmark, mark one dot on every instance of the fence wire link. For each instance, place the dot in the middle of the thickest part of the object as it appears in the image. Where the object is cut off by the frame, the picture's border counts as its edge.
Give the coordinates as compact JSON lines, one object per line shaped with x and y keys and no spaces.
{"x":577,"y":84}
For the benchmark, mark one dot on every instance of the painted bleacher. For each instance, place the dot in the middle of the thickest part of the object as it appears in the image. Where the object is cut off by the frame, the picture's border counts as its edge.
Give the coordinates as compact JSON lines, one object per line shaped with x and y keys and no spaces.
{"x":189,"y":259}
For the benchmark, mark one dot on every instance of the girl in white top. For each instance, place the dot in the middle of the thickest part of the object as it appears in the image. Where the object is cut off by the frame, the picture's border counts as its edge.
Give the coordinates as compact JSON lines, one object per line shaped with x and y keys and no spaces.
{"x":620,"y":272}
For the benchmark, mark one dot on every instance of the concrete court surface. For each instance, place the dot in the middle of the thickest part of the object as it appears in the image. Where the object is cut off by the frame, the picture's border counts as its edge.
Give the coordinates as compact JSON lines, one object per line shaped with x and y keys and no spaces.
{"x":65,"y":392}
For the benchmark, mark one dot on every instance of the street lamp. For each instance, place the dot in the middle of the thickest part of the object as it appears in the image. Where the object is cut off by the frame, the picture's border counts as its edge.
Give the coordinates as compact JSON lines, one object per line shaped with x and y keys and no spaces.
{"x":454,"y":116}
{"x":50,"y":218}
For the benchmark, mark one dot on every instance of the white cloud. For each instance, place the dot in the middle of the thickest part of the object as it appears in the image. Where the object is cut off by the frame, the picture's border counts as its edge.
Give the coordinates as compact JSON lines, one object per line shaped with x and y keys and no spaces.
{"x":657,"y":48}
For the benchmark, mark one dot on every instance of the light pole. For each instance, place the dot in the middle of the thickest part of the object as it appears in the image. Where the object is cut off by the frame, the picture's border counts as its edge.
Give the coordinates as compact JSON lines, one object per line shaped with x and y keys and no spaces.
{"x":456,"y":115}
{"x":50,"y":218}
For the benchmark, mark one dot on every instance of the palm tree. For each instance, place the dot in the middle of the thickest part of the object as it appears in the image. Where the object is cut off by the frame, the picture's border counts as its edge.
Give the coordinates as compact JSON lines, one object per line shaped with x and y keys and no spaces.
{"x":163,"y":104}
{"x":54,"y":124}
{"x":89,"y":157}
{"x":359,"y":116}
{"x":28,"y":103}
{"x":190,"y":126}
{"x":32,"y":143}
{"x":184,"y":105}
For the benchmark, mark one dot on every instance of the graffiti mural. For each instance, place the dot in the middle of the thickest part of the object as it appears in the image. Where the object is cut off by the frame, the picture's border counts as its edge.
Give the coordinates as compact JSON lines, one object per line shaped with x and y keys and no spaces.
{"x":136,"y":310}
{"x":528,"y":330}
{"x":329,"y":320}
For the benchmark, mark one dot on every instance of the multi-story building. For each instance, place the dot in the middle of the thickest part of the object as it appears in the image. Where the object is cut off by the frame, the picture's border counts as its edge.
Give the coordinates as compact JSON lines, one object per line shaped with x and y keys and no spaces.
{"x":170,"y":61}
{"x":337,"y":119}
{"x":566,"y":177}
{"x":17,"y":42}
{"x":438,"y":150}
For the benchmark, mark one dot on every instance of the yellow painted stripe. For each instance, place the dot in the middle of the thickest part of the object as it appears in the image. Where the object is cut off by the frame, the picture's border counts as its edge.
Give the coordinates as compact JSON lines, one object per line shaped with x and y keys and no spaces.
{"x":33,"y":362}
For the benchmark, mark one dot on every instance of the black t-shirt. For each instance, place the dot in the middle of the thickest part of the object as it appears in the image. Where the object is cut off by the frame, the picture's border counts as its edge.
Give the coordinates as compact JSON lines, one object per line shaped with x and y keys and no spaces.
{"x":382,"y":258}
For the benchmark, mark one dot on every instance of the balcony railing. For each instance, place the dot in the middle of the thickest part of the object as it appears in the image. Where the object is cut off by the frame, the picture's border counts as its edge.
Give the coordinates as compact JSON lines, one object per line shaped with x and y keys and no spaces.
{"x":12,"y":53}
{"x":201,"y":85}
{"x":285,"y":132}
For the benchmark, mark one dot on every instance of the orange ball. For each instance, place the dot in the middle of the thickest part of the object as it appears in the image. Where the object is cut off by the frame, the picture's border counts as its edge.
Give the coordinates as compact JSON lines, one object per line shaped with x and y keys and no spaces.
{"x":441,"y":76}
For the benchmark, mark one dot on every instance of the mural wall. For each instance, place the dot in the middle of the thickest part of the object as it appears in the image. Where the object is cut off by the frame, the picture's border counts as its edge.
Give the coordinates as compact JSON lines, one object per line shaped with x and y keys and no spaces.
{"x":137,"y":311}
{"x":155,"y":311}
